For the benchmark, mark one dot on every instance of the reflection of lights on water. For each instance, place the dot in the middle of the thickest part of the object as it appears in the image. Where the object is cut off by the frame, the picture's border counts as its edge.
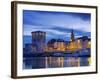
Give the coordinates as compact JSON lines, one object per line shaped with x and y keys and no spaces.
{"x":46,"y":62}
{"x":89,"y":60}
{"x":57,"y":61}
{"x":52,"y":62}
{"x":78,"y":61}
{"x":62,"y":62}
{"x":73,"y":61}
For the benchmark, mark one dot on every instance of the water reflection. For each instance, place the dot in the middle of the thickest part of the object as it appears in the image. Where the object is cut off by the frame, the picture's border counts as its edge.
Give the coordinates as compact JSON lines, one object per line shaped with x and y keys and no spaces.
{"x":54,"y":62}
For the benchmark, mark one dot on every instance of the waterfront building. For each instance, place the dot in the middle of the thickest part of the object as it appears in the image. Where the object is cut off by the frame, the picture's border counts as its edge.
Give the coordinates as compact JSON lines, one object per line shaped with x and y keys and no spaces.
{"x":50,"y":45}
{"x":84,"y":42}
{"x":79,"y":43}
{"x":56,"y":45}
{"x":60,"y":45}
{"x":89,"y":43}
{"x":71,"y":45}
{"x":39,"y":40}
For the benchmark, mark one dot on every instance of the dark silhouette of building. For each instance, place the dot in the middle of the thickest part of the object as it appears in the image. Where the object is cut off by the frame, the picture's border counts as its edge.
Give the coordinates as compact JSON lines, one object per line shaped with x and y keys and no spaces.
{"x":72,"y":36}
{"x":39,"y":40}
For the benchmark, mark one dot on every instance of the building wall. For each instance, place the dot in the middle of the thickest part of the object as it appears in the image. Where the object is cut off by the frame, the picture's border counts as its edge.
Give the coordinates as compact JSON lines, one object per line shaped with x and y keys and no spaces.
{"x":78,"y":44}
{"x":60,"y":46}
{"x":38,"y":40}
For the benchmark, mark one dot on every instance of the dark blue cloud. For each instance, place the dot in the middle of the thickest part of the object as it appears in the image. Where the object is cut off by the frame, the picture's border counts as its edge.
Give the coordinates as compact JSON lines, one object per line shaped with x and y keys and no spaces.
{"x":40,"y":17}
{"x":55,"y":22}
{"x":27,"y":14}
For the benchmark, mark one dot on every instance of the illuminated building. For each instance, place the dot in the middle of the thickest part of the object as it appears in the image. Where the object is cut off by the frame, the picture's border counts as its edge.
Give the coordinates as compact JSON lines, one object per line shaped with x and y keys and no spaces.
{"x":83,"y":42}
{"x":89,"y":44}
{"x":56,"y":45}
{"x":60,"y":45}
{"x":38,"y":40}
{"x":72,"y":45}
{"x":50,"y":45}
{"x":79,"y":43}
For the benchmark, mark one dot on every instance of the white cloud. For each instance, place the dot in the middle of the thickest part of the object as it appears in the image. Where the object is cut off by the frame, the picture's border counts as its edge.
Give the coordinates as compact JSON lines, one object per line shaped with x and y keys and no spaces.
{"x":64,"y":21}
{"x":29,"y":30}
{"x":76,"y":24}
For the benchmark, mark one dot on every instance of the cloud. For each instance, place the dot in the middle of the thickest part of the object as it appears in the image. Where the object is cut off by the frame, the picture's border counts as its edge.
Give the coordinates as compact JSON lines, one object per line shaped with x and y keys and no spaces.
{"x":48,"y":31}
{"x":57,"y":24}
{"x":44,"y":19}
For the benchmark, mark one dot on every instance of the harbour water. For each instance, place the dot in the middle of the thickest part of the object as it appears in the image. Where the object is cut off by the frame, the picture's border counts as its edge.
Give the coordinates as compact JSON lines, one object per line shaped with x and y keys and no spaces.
{"x":54,"y":62}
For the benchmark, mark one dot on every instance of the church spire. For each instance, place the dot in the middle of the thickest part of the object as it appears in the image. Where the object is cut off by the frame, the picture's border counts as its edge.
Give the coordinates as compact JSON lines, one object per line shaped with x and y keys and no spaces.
{"x":72,"y":36}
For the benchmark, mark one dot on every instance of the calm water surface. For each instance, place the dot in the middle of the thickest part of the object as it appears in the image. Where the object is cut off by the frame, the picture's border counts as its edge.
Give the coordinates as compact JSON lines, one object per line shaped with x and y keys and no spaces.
{"x":54,"y":62}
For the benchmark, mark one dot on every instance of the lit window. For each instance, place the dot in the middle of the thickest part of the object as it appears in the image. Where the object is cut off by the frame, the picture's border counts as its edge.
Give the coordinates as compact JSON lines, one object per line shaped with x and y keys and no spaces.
{"x":78,"y":41}
{"x":89,"y":42}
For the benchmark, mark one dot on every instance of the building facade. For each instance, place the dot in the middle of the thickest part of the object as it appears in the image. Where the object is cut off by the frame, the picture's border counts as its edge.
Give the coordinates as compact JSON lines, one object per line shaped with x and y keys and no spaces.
{"x":39,"y":41}
{"x":56,"y":45}
{"x":39,"y":44}
{"x":78,"y":44}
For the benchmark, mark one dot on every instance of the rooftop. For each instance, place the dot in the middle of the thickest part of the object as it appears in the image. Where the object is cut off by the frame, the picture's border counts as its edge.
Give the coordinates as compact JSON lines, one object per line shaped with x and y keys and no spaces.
{"x":38,"y":32}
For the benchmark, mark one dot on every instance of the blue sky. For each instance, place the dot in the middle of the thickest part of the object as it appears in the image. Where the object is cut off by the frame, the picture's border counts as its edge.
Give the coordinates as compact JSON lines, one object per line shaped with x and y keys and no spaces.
{"x":56,"y":24}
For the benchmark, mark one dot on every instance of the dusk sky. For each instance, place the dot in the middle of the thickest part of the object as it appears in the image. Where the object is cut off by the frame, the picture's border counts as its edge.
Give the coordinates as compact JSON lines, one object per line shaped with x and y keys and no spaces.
{"x":56,"y":24}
